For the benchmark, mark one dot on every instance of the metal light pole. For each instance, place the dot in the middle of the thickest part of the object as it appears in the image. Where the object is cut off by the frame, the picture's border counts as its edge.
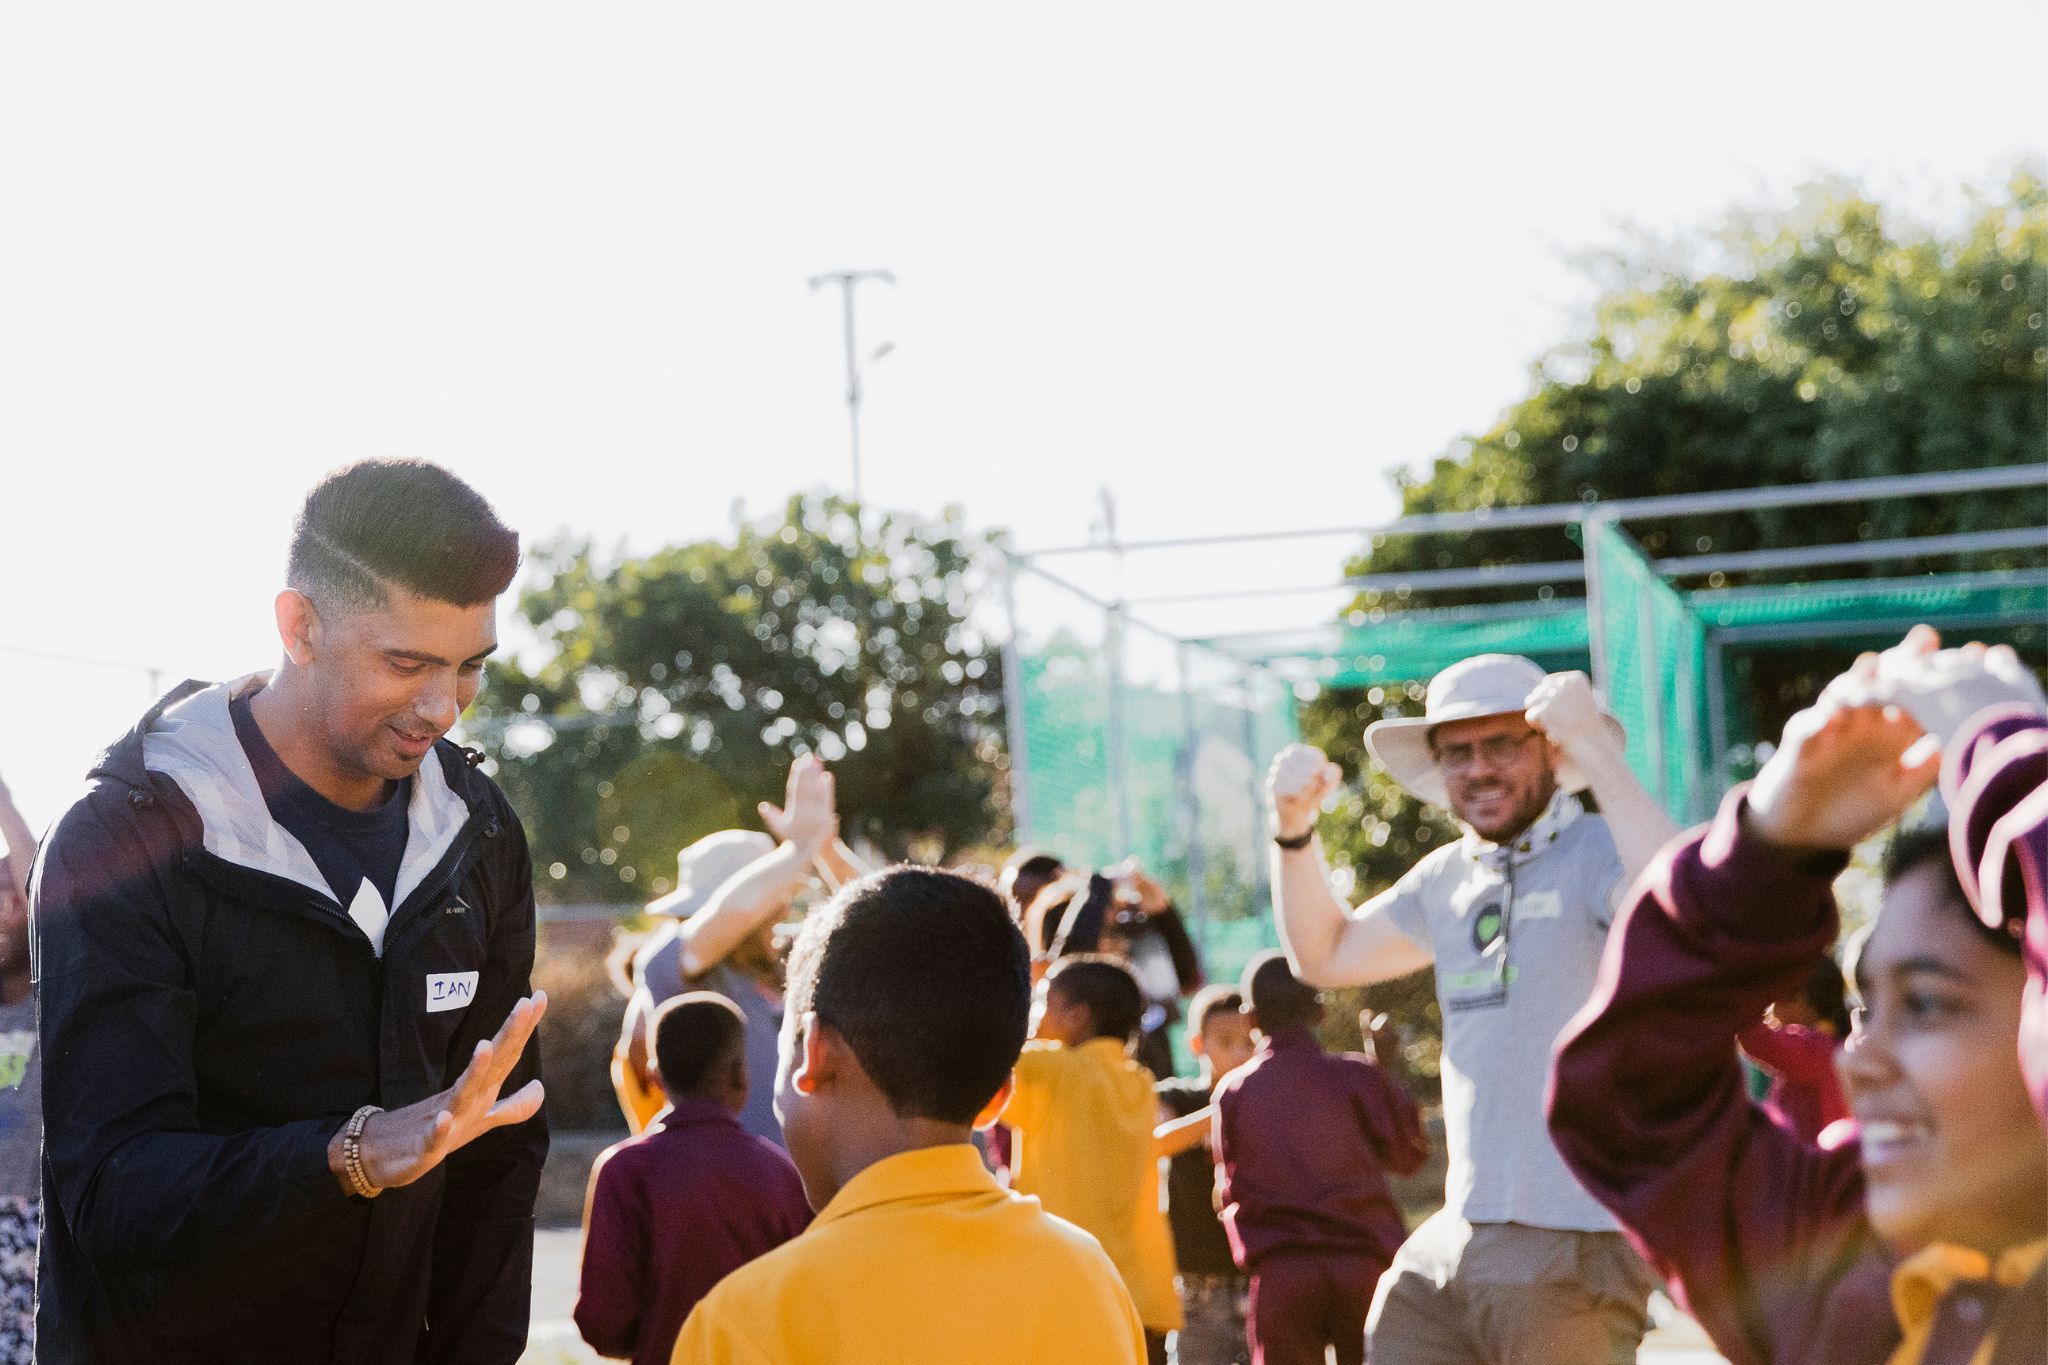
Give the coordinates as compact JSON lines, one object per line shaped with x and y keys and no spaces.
{"x":847,"y":280}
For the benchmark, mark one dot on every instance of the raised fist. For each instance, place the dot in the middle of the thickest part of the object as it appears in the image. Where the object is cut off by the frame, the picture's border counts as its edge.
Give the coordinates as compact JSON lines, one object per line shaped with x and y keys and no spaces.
{"x":1300,"y":780}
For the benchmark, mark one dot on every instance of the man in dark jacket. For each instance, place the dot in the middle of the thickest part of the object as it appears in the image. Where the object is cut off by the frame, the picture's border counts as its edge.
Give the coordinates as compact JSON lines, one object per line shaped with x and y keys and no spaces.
{"x":283,"y":942}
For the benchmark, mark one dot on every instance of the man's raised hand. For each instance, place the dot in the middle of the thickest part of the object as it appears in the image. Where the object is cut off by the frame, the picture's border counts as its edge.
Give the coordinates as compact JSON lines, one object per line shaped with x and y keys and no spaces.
{"x":1300,"y":780}
{"x":1564,"y":708}
{"x":400,"y":1146}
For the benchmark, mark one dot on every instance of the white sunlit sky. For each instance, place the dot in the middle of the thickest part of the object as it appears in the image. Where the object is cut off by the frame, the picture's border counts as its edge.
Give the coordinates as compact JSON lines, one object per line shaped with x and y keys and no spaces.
{"x":1233,"y":262}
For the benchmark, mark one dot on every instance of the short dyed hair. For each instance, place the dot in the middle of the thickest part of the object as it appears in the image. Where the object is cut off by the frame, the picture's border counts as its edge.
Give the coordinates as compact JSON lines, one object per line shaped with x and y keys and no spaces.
{"x":376,"y":524}
{"x":1279,"y":999}
{"x":1212,"y":1000}
{"x":694,"y":1034}
{"x":925,"y":974}
{"x":1103,"y":986}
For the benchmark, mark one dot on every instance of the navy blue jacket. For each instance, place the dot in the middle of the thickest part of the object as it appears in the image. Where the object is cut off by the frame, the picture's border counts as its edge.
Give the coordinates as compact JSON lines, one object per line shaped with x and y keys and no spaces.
{"x":209,"y":1019}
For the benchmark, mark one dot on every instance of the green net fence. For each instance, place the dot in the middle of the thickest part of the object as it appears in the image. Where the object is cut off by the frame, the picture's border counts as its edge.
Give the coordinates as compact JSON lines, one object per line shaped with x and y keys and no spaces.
{"x":1654,"y":652}
{"x":1380,"y":647}
{"x":1133,"y":744}
{"x":1127,"y":742}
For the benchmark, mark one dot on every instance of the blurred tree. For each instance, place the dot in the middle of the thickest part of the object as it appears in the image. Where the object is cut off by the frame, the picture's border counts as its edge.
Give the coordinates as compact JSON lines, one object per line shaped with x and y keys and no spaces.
{"x":1823,"y":342}
{"x":677,"y":688}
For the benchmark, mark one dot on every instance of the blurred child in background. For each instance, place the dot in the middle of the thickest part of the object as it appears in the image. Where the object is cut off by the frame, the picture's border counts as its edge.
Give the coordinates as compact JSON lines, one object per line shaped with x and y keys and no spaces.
{"x":1212,"y":1288}
{"x":1083,"y":1116}
{"x":1795,"y":1043}
{"x":1303,"y":1143}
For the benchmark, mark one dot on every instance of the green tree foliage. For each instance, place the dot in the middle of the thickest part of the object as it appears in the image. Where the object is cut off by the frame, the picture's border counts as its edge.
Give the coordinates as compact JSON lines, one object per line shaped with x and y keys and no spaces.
{"x":677,"y":688}
{"x":1828,"y":344}
{"x":1827,"y":341}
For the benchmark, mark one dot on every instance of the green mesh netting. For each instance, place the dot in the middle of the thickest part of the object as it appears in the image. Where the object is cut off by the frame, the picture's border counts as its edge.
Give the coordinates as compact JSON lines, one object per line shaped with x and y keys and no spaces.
{"x":1655,"y":652}
{"x":1192,"y":762}
{"x":2018,"y":604}
{"x":1195,"y":745}
{"x":1414,"y":645}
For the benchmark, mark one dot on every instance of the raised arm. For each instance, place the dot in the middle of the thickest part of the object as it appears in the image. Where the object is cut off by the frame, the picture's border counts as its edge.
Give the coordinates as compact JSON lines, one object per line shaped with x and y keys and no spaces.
{"x":1177,"y":1134}
{"x":838,"y":862}
{"x":763,"y":887}
{"x":1753,"y":1228}
{"x":1327,"y":945}
{"x":1389,"y":1117}
{"x":1991,"y":719}
{"x":1564,"y":709}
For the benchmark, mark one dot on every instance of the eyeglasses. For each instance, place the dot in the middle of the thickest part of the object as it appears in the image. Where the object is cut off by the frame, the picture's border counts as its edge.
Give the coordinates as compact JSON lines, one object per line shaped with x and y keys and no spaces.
{"x":1495,"y":749}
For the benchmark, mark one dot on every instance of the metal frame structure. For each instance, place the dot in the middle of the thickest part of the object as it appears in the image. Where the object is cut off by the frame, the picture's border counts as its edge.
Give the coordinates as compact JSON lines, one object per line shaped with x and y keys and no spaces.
{"x":1240,"y":649}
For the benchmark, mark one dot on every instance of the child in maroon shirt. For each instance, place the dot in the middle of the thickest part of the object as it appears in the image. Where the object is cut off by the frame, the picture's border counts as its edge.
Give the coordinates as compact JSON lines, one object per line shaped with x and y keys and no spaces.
{"x":1303,"y":1141}
{"x":693,"y":1198}
{"x":1785,"y":1252}
{"x":1795,"y":1044}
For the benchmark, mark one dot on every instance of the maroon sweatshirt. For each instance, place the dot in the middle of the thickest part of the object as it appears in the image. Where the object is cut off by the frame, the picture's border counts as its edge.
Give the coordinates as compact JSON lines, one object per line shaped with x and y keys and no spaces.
{"x":1760,"y":1235}
{"x":1806,"y":1095}
{"x":1303,"y":1141}
{"x":671,"y":1213}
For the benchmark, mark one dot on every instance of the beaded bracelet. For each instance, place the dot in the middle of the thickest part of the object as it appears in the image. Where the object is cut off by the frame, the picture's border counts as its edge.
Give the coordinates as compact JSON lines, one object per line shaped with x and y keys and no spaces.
{"x":352,"y":1153}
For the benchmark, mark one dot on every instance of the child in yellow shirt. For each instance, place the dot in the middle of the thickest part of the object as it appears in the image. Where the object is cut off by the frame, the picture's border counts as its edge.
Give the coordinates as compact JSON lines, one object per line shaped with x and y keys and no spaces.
{"x":907,"y":1008}
{"x":1083,"y":1114}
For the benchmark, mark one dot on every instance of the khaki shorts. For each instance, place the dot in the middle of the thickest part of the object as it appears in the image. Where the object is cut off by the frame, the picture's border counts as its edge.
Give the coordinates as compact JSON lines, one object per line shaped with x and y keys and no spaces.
{"x":1463,"y":1293}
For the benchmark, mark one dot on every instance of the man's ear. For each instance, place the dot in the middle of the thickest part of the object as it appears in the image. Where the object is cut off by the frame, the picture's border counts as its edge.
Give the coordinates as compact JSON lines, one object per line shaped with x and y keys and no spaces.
{"x":993,"y":1110}
{"x":298,"y":625}
{"x":817,"y":1059}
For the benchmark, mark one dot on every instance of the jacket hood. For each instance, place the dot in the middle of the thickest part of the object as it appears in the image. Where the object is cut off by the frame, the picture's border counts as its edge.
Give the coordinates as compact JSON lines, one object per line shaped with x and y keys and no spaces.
{"x":189,"y":738}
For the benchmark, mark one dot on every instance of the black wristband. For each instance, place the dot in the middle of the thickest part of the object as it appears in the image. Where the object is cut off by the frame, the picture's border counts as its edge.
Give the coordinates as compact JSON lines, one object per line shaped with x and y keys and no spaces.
{"x":1298,"y":842}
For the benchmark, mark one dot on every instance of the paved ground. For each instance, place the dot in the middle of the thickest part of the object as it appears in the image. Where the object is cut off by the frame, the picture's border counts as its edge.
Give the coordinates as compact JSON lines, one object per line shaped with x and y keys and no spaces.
{"x":554,"y":1340}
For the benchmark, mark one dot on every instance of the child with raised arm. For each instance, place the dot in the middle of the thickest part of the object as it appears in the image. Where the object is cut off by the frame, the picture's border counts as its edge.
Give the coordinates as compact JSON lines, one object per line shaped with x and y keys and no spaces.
{"x":908,"y":1000}
{"x":1924,"y":1241}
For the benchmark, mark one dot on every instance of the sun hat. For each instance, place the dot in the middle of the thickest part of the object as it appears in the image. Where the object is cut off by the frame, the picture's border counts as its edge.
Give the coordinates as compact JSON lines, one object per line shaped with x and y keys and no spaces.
{"x":1483,"y":685}
{"x":710,"y":863}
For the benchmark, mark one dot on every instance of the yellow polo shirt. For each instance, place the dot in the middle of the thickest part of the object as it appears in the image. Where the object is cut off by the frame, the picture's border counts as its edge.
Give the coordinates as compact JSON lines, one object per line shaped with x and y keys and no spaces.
{"x":922,"y":1258}
{"x":1923,"y":1279}
{"x":1083,"y":1118}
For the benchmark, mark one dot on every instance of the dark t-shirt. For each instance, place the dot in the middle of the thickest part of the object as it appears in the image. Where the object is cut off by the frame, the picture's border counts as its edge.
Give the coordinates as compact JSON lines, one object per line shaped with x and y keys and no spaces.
{"x":349,"y":847}
{"x":1200,"y":1246}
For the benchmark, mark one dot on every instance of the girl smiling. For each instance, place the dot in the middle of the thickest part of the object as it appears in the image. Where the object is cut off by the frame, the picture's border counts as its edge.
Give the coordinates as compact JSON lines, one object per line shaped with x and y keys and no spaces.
{"x":1923,"y":1243}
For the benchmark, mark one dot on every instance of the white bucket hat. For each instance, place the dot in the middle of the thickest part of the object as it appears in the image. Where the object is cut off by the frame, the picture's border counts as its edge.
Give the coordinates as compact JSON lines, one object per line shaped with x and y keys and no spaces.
{"x":1483,"y":685}
{"x":710,"y":863}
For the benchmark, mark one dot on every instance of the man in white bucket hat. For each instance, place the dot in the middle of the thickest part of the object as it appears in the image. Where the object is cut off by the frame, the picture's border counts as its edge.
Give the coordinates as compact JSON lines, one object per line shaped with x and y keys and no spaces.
{"x":732,"y":890}
{"x":1521,"y":1264}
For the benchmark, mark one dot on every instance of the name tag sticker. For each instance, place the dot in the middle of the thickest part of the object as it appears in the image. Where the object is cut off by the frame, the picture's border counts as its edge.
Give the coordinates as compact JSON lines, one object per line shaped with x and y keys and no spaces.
{"x":1539,"y":905}
{"x":449,"y":990}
